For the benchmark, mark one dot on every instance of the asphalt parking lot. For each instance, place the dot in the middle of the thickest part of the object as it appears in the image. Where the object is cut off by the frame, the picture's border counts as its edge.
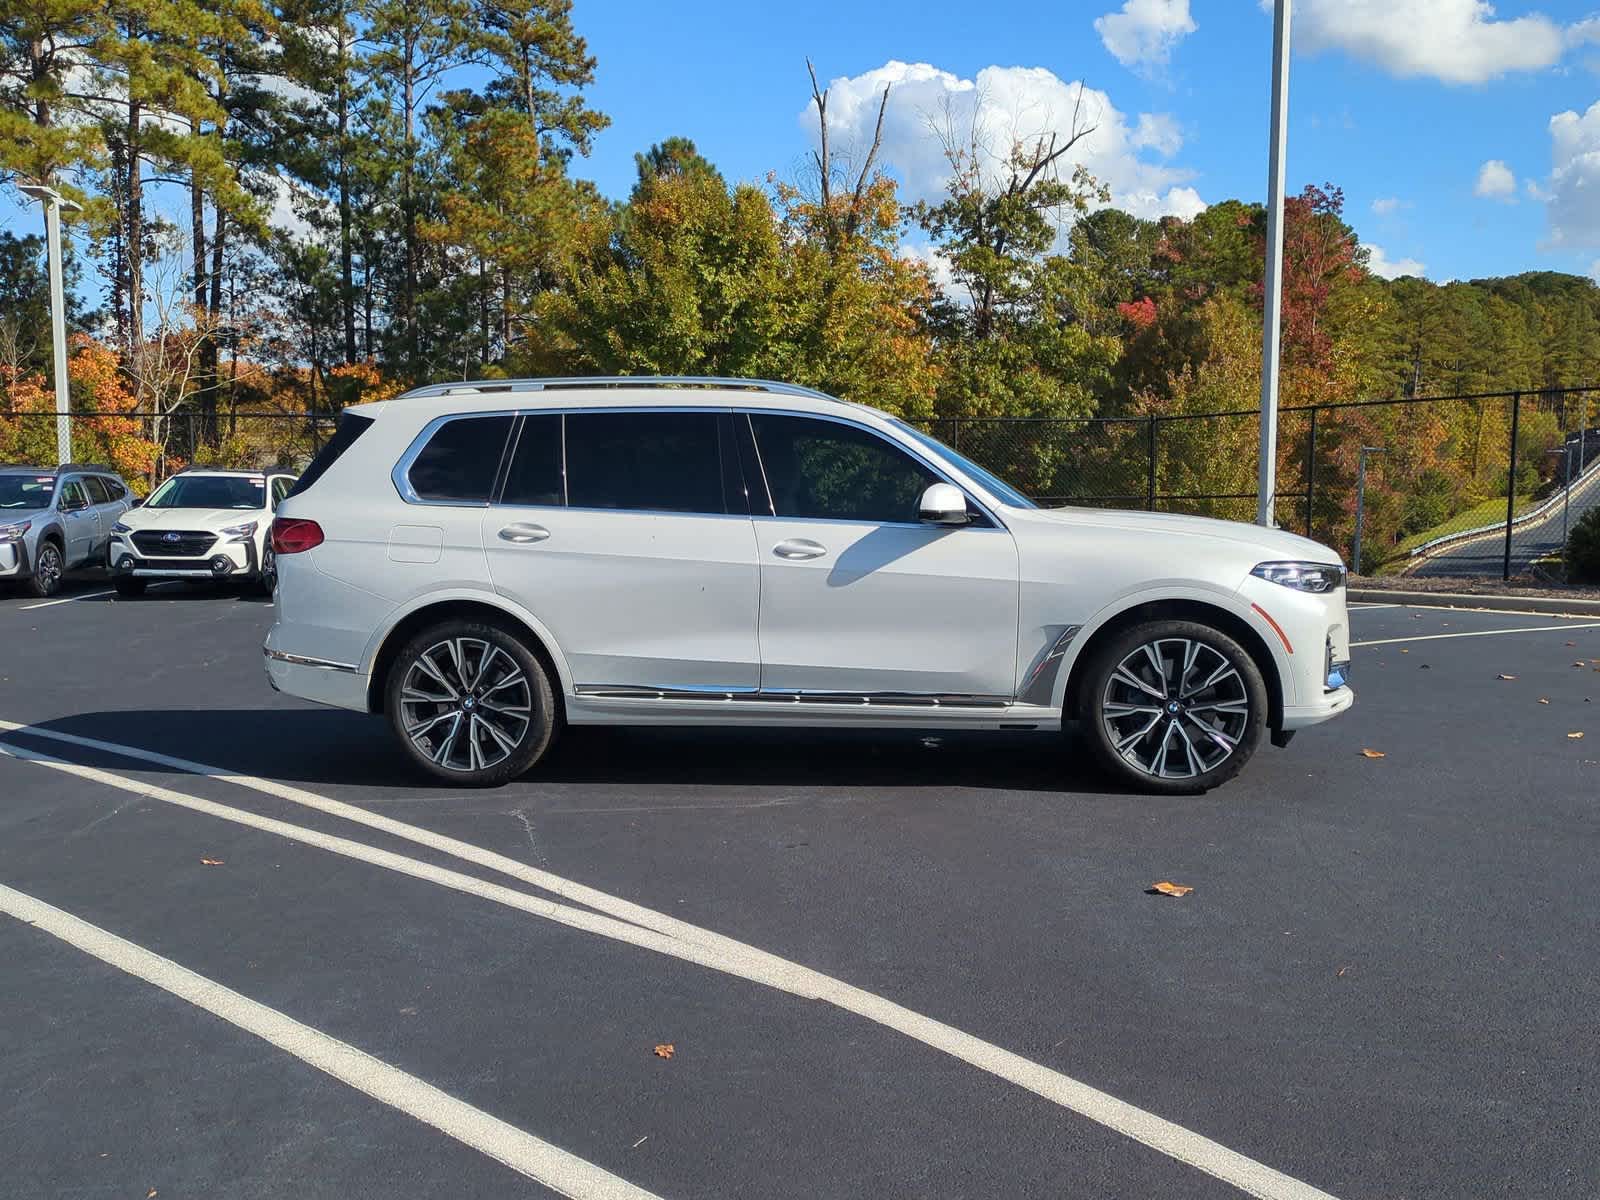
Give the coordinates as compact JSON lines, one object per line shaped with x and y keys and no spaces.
{"x":887,"y":966}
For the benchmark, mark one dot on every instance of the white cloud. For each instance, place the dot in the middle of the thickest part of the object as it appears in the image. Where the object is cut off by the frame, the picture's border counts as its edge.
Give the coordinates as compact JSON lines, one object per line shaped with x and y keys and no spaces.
{"x":934,"y":259}
{"x":1380,"y":264}
{"x":1496,"y":181}
{"x":1594,"y":270}
{"x":1002,"y":104}
{"x":1454,"y":41}
{"x":1574,"y":192}
{"x":1144,"y":33}
{"x":1386,"y":205}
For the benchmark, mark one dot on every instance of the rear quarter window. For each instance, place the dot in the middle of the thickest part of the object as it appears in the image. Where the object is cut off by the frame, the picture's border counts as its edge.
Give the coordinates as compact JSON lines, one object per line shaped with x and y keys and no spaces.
{"x":460,"y":461}
{"x":351,"y":427}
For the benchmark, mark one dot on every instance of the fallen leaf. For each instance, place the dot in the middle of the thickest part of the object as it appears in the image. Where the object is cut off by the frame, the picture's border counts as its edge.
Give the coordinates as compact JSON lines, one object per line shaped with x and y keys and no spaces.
{"x":211,"y":862}
{"x":1165,"y":888}
{"x":1575,"y":736}
{"x":1372,"y":754}
{"x":150,"y":1194}
{"x":666,"y":1050}
{"x":1544,"y":700}
{"x":1342,"y":970}
{"x":641,"y":1141}
{"x":1579,"y":664}
{"x":1572,"y":643}
{"x":1405,"y":652}
{"x":1505,"y":676}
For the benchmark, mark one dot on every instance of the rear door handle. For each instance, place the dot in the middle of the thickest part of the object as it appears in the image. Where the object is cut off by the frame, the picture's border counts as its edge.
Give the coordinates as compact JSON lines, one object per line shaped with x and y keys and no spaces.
{"x":799,"y":548}
{"x":524,"y":535}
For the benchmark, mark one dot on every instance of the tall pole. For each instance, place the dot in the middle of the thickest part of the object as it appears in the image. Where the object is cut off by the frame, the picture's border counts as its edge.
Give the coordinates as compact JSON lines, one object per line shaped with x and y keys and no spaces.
{"x":1272,"y":324}
{"x":1361,"y":502}
{"x":58,"y":323}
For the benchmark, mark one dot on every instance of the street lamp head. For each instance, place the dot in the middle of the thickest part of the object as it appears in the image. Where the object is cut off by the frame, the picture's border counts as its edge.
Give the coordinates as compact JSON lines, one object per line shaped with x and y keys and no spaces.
{"x":48,"y":195}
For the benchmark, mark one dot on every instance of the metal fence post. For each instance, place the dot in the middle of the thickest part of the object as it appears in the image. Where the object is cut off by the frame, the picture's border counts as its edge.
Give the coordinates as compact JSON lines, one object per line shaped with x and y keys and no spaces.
{"x":1311,"y":468}
{"x":1511,"y":482}
{"x":1150,"y":449}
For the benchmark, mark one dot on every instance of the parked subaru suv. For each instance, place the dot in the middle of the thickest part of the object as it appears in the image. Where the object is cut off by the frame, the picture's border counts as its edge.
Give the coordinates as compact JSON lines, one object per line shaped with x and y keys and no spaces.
{"x":201,"y":524}
{"x":482,"y":563}
{"x":57,"y":519}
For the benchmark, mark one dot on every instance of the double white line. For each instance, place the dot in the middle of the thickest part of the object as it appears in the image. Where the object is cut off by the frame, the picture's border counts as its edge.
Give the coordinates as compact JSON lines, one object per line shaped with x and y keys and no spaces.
{"x":623,"y":921}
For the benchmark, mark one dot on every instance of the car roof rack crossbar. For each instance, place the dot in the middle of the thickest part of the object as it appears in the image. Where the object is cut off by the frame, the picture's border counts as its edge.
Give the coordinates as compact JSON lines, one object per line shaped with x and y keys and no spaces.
{"x":491,"y":386}
{"x":77,"y":466}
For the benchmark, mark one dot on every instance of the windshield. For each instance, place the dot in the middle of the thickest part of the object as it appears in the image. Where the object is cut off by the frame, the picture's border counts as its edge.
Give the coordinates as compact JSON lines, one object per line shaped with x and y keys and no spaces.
{"x":211,"y":491}
{"x":1001,"y":490}
{"x":26,"y":491}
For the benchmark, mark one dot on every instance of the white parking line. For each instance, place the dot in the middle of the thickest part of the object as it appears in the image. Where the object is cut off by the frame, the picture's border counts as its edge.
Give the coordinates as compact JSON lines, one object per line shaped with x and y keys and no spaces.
{"x":1434,"y":637}
{"x":643,"y":927}
{"x":522,"y":1152}
{"x":1359,"y":607}
{"x":65,"y":600}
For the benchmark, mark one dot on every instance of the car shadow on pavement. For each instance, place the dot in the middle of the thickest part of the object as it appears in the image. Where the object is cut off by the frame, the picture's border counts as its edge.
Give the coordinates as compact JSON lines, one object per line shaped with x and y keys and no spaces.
{"x":325,"y":747}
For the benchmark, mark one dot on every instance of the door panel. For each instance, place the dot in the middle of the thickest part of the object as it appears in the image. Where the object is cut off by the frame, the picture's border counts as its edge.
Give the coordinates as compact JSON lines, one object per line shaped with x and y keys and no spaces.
{"x":81,"y":529}
{"x":887,"y":608}
{"x":650,"y":577}
{"x":634,"y":598}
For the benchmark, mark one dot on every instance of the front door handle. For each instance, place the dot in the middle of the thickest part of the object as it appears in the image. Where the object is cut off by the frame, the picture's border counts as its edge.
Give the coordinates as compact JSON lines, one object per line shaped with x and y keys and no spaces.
{"x":524,"y":535}
{"x":797,"y":549}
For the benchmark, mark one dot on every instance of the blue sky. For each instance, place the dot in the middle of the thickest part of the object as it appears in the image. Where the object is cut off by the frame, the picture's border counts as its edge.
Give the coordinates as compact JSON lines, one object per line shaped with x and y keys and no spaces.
{"x":1400,"y":102}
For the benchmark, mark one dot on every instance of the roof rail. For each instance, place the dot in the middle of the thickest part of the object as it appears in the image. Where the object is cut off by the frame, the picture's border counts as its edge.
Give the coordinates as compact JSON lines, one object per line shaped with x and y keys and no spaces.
{"x":491,"y":386}
{"x":77,"y":466}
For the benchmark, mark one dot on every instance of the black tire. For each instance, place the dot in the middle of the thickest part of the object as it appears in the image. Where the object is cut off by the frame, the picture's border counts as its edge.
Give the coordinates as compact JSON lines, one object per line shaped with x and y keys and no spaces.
{"x":267,"y":580}
{"x":129,"y":587}
{"x":1202,"y":742}
{"x":480,"y":664}
{"x":48,"y":569}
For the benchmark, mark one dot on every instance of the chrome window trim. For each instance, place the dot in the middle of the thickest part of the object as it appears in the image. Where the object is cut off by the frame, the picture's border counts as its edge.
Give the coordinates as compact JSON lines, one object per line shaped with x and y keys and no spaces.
{"x":400,"y":475}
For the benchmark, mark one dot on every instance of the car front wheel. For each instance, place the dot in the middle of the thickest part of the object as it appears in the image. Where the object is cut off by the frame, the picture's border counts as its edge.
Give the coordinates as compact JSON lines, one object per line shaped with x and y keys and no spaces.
{"x":48,"y":570}
{"x":471,"y":703}
{"x":1173,"y":706}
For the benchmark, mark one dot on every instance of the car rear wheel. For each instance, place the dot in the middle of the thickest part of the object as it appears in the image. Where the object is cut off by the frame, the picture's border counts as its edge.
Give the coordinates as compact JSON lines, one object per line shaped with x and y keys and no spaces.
{"x":1173,"y":706}
{"x":471,"y":703}
{"x":47,"y":571}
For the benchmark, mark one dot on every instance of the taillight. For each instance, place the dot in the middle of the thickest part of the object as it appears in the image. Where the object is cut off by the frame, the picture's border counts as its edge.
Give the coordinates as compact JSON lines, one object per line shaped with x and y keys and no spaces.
{"x":290,"y":535}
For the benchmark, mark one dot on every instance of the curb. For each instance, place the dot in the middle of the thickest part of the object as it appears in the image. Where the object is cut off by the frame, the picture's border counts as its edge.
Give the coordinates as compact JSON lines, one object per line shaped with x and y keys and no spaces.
{"x":1555,"y":605}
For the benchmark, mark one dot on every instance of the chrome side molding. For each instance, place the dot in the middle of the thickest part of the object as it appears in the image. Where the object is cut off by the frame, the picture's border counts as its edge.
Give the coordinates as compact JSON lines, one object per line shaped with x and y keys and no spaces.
{"x":605,"y":691}
{"x":301,"y":660}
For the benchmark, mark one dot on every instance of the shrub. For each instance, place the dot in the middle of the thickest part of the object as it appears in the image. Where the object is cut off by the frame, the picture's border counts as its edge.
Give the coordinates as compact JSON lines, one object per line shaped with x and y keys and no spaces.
{"x":1583,"y":549}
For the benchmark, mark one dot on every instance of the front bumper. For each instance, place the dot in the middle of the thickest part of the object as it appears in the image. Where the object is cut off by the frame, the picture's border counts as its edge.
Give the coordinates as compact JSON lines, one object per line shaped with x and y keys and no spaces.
{"x":14,"y":561}
{"x":225,"y":560}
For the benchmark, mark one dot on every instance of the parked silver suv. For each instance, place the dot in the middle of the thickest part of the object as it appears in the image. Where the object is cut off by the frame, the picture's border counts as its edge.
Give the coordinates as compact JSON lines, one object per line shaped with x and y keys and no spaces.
{"x":57,"y":519}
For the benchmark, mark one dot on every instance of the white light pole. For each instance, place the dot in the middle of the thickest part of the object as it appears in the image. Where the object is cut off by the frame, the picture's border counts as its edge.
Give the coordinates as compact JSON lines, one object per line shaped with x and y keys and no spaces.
{"x":54,"y":202}
{"x":1272,"y":331}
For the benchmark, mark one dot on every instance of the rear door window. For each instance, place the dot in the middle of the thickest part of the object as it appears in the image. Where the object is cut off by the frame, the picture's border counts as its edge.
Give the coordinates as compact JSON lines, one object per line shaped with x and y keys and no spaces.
{"x":461,"y":460}
{"x":96,"y":488}
{"x":114,"y":488}
{"x":534,"y":476}
{"x":647,"y":461}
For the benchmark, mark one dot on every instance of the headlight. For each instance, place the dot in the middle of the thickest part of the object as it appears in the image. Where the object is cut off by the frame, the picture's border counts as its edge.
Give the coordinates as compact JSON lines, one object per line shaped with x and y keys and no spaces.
{"x":119,"y":527}
{"x":14,"y":533}
{"x":1302,"y":576}
{"x":239,"y":532}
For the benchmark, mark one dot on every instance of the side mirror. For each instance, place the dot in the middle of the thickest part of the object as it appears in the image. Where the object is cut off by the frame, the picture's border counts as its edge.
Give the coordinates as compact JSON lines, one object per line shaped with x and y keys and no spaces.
{"x":136,"y":502}
{"x":943,"y":504}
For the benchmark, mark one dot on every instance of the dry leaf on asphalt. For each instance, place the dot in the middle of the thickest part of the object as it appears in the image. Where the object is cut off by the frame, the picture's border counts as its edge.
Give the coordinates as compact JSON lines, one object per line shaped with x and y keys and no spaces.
{"x":150,"y":1194}
{"x":1544,"y":700}
{"x":211,"y":862}
{"x":1572,"y":643}
{"x":1575,"y":736}
{"x":1166,"y":888}
{"x":1405,"y":652}
{"x":1372,"y":754}
{"x":666,"y":1050}
{"x":1505,"y":676}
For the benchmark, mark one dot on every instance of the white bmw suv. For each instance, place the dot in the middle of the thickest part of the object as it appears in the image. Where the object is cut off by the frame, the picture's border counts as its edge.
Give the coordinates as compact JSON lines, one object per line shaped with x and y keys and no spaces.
{"x":484,"y":562}
{"x":200,"y":524}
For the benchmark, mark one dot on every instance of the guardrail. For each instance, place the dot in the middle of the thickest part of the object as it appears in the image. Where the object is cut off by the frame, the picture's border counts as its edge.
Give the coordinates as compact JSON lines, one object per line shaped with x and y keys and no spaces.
{"x":1450,"y":539}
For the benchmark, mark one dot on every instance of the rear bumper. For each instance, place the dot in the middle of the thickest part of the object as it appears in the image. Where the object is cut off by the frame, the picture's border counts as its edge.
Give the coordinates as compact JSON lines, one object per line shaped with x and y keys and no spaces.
{"x":339,"y":684}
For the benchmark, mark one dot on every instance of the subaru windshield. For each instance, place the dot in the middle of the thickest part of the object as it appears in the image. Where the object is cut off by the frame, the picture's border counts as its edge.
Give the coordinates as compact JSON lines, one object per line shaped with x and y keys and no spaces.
{"x":26,"y":491}
{"x":211,"y":491}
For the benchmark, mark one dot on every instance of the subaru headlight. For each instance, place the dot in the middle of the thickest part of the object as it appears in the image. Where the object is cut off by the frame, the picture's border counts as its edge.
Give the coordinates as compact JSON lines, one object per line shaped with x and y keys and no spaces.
{"x":10,"y":534}
{"x":238,"y":533}
{"x":1302,"y":576}
{"x":119,"y":527}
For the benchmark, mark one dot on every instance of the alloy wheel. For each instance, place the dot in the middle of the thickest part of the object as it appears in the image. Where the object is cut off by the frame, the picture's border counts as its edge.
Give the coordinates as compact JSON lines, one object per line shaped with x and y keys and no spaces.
{"x":1175,"y":708}
{"x":48,"y":569}
{"x":466,"y":704}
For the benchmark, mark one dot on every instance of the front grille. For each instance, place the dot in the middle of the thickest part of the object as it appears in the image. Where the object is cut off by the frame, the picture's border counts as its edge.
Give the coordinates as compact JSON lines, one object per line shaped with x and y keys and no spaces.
{"x":157,"y":543}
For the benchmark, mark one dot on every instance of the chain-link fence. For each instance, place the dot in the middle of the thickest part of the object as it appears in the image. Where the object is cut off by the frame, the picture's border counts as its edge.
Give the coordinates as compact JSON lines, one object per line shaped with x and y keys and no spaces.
{"x":1452,"y":485}
{"x":1461,"y":486}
